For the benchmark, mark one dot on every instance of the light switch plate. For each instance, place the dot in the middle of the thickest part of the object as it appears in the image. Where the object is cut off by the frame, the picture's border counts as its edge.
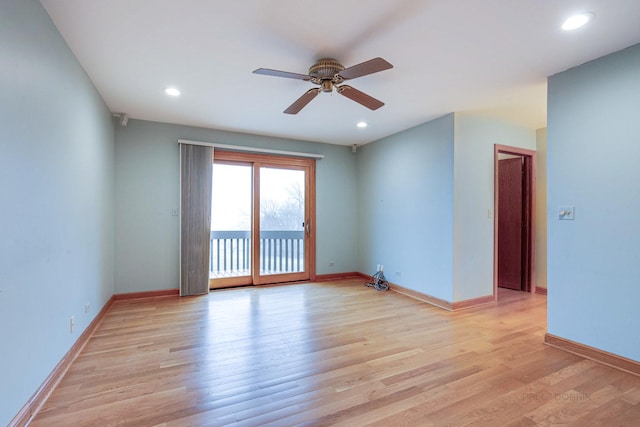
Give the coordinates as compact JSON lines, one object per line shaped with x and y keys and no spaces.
{"x":566,"y":213}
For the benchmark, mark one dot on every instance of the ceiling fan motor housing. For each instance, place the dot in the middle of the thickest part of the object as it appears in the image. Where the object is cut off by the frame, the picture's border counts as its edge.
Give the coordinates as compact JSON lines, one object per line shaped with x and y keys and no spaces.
{"x":325,"y":73}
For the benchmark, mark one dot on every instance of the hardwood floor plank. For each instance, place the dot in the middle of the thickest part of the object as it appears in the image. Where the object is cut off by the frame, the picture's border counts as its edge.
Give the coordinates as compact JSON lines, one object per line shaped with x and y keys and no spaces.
{"x":335,"y":353}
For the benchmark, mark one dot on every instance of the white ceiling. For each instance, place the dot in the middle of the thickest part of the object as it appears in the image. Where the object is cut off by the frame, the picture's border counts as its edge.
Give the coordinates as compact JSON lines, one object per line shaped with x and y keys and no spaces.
{"x":448,"y":55}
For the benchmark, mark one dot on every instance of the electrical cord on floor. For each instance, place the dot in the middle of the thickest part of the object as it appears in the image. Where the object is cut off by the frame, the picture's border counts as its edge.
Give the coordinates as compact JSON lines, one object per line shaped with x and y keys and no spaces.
{"x":378,"y":281}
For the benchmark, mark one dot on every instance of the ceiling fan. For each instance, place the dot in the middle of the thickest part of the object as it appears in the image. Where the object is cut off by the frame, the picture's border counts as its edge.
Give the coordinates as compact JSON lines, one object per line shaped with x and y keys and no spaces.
{"x":328,"y":73}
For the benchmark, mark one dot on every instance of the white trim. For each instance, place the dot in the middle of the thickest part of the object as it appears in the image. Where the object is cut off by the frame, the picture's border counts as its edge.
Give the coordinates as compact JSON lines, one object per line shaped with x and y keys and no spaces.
{"x":251,"y":149}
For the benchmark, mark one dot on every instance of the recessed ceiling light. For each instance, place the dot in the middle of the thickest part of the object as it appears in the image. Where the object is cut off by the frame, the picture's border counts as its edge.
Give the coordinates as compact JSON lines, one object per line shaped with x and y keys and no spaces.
{"x":172,"y":91}
{"x":576,"y":21}
{"x":362,"y":124}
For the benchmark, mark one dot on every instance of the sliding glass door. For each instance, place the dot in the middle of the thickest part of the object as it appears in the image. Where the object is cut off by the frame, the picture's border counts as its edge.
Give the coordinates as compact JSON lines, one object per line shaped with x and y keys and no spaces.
{"x":231,"y":222}
{"x":262,"y":220}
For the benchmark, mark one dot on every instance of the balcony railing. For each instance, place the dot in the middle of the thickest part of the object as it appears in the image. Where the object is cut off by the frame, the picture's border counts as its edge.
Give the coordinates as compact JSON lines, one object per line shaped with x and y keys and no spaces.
{"x":280,"y":252}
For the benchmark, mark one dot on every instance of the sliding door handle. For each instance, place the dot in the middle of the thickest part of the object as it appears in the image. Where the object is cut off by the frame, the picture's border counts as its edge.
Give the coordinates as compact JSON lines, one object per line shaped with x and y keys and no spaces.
{"x":308,"y":227}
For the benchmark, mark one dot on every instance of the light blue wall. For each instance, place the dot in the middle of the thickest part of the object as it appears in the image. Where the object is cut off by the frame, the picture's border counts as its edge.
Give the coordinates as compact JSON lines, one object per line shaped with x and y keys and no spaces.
{"x":423,"y":201}
{"x":593,"y":137}
{"x":405,"y":207}
{"x":56,"y":186}
{"x":475,"y":137}
{"x":147,"y":190}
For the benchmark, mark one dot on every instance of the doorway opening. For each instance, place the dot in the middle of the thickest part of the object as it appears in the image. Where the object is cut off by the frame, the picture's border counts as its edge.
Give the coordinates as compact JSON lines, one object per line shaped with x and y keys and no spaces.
{"x":262,"y":220}
{"x":514,"y":219}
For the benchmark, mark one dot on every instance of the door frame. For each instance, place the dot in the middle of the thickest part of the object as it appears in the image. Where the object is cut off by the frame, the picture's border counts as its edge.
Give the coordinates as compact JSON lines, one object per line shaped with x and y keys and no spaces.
{"x":529,"y":241}
{"x":307,"y":164}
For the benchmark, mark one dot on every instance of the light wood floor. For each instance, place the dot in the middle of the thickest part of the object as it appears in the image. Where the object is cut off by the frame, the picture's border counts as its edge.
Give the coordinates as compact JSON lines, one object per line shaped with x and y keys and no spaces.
{"x":333,"y":354}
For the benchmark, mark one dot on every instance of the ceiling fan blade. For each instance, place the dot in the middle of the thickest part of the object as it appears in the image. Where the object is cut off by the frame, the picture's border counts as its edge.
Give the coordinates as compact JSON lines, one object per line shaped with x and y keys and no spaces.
{"x":301,"y":102}
{"x":369,"y":67}
{"x":360,"y":97}
{"x":286,"y":74}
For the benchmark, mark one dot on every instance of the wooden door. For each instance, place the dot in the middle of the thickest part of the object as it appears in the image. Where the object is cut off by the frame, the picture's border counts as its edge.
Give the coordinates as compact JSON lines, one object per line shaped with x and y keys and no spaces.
{"x":510,"y":223}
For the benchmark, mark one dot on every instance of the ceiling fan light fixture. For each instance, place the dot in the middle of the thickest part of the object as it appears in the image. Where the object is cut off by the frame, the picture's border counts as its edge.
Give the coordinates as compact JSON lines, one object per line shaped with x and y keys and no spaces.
{"x":576,"y":21}
{"x":326,"y":86}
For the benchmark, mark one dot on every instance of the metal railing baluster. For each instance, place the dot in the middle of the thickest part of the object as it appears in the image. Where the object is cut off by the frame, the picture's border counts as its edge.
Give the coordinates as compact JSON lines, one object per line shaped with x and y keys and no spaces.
{"x":280,"y":252}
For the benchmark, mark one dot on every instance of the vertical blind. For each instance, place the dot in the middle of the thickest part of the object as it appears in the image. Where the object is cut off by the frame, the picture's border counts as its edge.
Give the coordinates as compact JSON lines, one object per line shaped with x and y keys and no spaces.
{"x":196,"y":172}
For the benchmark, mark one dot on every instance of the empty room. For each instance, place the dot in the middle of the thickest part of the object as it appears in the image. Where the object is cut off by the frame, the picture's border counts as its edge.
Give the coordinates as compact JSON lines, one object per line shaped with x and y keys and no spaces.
{"x":283,"y":213}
